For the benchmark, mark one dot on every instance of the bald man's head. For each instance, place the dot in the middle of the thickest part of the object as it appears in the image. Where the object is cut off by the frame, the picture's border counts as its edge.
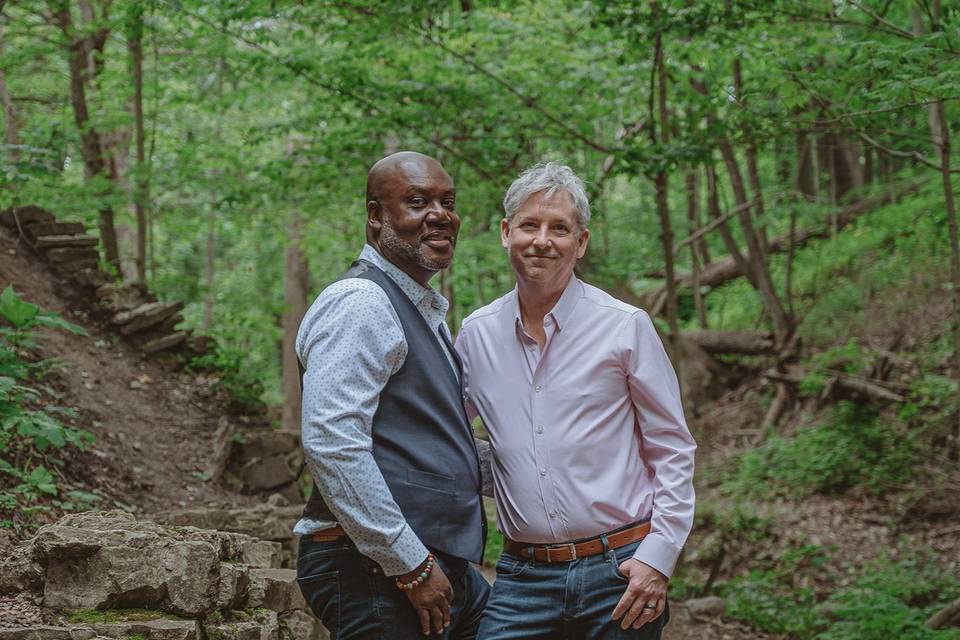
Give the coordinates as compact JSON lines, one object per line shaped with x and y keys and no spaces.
{"x":411,"y":213}
{"x":386,"y":167}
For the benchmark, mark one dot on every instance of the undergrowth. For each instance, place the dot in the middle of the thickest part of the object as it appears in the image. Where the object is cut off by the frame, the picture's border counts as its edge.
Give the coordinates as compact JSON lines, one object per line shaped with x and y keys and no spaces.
{"x":34,"y":431}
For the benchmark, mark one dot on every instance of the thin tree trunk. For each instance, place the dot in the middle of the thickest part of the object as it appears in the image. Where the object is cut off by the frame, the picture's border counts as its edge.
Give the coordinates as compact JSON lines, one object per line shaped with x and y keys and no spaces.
{"x":448,"y":292}
{"x":296,"y":288}
{"x":806,"y":171}
{"x":211,"y":261}
{"x":90,"y":147}
{"x":11,"y":134}
{"x":660,"y":181}
{"x":142,"y":185}
{"x":693,"y":216}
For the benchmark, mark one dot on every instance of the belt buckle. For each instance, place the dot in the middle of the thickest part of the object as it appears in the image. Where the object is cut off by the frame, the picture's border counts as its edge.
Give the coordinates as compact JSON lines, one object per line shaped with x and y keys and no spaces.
{"x":561,"y":547}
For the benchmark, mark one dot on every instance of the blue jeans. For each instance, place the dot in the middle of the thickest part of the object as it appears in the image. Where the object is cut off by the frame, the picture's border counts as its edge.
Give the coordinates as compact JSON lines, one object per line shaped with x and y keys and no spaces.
{"x":355,"y":601}
{"x":561,"y":601}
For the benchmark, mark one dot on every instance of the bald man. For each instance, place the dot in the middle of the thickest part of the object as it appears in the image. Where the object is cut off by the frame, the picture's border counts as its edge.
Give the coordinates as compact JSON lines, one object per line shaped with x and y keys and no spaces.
{"x":395,"y":515}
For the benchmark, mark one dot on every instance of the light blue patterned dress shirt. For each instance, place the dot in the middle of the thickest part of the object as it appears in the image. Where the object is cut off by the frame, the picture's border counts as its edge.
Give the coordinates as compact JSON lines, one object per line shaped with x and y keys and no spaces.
{"x":350,"y":343}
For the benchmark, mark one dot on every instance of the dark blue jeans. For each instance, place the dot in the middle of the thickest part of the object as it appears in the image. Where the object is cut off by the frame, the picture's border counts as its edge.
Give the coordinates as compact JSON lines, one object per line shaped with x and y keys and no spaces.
{"x":561,"y":601}
{"x":355,"y":601}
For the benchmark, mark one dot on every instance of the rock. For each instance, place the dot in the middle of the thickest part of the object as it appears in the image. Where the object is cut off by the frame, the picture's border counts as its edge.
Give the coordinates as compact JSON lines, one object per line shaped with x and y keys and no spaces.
{"x":110,"y":560}
{"x":62,"y":240}
{"x":77,"y":268}
{"x":260,"y":444}
{"x":275,"y":589}
{"x":223,"y":447}
{"x":117,"y":297}
{"x":261,"y":554}
{"x":243,"y":630}
{"x":270,"y":472}
{"x":46,"y":632}
{"x":162,"y":629}
{"x":25,"y":215}
{"x":38,"y":229}
{"x":269,"y":625}
{"x":705,"y":609}
{"x":234,"y":582}
{"x":145,"y":316}
{"x":301,"y":625}
{"x":71,"y":254}
{"x":164,"y":342}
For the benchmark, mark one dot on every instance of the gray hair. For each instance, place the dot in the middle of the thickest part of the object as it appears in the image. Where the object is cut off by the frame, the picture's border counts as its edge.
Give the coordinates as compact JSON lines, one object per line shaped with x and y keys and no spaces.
{"x":549,"y":177}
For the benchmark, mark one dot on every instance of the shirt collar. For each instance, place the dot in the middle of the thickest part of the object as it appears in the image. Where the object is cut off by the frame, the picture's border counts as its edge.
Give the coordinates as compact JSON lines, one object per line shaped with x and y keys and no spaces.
{"x":417,"y":293}
{"x":561,"y":311}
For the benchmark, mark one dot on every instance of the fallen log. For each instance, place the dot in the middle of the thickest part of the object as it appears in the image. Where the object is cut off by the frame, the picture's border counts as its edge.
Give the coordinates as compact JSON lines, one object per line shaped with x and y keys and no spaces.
{"x":739,"y":342}
{"x":945,"y":616}
{"x":851,"y":384}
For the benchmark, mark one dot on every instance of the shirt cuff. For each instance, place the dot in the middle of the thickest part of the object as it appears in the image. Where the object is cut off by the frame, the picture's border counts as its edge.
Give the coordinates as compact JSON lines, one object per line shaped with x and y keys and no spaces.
{"x":658,"y":552}
{"x":403,"y":556}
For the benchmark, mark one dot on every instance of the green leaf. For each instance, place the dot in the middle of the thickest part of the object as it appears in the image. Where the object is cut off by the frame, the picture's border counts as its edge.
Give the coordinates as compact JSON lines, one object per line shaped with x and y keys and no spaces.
{"x":15,"y":309}
{"x":54,"y":321}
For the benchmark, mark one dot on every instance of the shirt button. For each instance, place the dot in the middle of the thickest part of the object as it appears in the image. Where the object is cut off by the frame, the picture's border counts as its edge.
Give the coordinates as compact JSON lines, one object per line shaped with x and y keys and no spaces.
{"x":539,"y":429}
{"x":537,"y":388}
{"x":543,"y":472}
{"x":553,"y":513}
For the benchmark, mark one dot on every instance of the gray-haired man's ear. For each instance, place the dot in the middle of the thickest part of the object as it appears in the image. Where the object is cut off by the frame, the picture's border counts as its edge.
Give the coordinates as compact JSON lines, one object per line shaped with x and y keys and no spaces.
{"x":486,"y":470}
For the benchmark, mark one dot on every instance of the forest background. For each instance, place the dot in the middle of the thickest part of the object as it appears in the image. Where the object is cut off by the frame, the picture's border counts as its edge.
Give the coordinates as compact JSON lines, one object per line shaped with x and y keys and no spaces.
{"x":772,"y":179}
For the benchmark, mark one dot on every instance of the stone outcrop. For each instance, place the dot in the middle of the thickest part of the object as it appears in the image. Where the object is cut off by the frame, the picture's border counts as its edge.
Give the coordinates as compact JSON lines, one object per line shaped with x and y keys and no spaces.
{"x":273,"y":520}
{"x":102,"y":561}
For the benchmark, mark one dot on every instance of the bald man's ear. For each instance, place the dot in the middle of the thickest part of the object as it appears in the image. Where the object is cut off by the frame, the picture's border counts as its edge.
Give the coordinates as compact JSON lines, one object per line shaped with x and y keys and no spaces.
{"x":374,"y":216}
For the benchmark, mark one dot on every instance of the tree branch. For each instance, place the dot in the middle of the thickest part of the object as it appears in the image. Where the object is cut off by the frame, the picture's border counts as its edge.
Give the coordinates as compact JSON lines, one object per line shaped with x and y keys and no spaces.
{"x":340,"y":90}
{"x":877,"y":19}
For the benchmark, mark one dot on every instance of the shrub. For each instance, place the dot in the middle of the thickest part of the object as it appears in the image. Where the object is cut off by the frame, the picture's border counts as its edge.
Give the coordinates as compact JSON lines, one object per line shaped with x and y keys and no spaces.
{"x":852,"y":448}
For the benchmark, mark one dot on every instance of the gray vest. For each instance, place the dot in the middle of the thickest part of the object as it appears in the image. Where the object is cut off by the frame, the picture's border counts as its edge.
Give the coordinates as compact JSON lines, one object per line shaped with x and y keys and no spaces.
{"x":422,"y":440}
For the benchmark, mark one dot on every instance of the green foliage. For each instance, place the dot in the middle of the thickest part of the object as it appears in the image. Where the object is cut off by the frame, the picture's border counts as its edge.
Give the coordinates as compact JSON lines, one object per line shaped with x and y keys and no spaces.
{"x":890,"y":597}
{"x":33,"y":437}
{"x":852,"y":448}
{"x":494,"y":548}
{"x":243,"y":386}
{"x":893,"y":598}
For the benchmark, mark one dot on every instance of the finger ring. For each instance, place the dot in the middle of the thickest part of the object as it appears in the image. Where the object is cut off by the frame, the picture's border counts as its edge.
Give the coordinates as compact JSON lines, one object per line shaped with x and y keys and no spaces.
{"x":649,"y":606}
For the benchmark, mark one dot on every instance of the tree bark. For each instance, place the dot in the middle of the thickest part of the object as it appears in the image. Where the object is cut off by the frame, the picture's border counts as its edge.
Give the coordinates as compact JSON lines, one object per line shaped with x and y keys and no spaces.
{"x":740,"y":342}
{"x":660,"y":178}
{"x":93,"y":156}
{"x":693,"y":216}
{"x":296,"y":289}
{"x":806,"y":170}
{"x":211,"y":263}
{"x":11,"y":134}
{"x":141,"y":194}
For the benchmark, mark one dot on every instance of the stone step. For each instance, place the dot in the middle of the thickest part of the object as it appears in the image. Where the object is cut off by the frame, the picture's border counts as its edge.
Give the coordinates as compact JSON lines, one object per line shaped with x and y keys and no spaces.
{"x":49,"y":242}
{"x":29,"y":214}
{"x":75,"y":266}
{"x":145,"y":316}
{"x":69,"y":254}
{"x":38,"y":229}
{"x":165,"y":342}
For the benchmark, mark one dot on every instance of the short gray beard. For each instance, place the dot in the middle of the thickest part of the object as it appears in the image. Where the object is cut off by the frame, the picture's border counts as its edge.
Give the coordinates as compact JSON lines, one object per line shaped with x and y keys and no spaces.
{"x":390,"y":240}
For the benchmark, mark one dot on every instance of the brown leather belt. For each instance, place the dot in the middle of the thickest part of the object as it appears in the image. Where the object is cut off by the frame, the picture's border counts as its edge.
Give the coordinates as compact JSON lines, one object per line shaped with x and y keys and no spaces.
{"x":572,"y":550}
{"x":328,"y":535}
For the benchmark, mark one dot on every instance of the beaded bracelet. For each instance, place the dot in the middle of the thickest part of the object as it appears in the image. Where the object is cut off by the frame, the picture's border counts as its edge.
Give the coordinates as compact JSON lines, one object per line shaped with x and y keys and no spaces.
{"x":416,"y":582}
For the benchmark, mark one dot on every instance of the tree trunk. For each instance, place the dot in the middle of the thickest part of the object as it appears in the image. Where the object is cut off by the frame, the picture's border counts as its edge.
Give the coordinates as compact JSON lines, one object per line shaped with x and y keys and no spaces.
{"x":211,"y":262}
{"x":660,"y":180}
{"x":296,"y":288}
{"x":90,"y":147}
{"x":11,"y":134}
{"x":141,"y":194}
{"x":806,"y":170}
{"x":693,"y":216}
{"x":448,"y":292}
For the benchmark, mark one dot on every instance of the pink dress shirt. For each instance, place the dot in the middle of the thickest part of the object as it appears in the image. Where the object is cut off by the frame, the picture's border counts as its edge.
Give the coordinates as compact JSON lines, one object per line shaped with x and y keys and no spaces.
{"x":587,"y":436}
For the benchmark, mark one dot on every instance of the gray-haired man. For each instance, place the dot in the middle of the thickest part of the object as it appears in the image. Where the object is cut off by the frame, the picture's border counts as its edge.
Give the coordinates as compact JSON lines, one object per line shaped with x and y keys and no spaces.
{"x":592,"y":458}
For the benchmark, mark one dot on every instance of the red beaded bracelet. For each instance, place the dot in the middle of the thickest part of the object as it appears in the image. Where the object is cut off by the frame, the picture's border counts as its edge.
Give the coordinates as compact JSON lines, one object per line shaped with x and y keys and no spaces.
{"x":416,"y":582}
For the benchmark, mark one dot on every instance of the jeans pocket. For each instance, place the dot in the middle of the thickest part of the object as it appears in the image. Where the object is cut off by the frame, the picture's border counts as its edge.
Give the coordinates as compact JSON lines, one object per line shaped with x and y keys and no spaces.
{"x":509,"y":566}
{"x":322,"y":593}
{"x":617,"y":556}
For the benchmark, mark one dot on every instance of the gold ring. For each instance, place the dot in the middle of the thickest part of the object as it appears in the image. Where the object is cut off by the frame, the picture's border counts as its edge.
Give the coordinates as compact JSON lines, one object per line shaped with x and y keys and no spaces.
{"x":649,"y":606}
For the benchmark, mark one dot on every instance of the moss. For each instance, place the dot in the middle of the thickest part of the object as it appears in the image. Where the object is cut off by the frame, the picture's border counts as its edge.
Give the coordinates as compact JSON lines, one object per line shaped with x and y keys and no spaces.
{"x":118,"y":615}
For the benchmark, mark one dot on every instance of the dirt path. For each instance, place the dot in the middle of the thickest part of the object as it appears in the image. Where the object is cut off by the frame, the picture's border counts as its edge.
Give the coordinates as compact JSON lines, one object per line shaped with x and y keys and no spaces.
{"x":154,"y":427}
